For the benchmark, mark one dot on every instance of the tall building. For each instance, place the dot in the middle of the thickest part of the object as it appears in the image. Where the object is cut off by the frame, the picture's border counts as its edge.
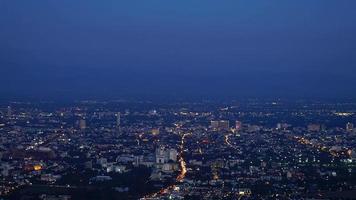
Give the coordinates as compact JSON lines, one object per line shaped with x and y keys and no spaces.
{"x":314,"y":127}
{"x":224,"y":125}
{"x":155,"y":131}
{"x":82,"y":124}
{"x":220,"y":125}
{"x":4,"y":168}
{"x":253,"y":128}
{"x":238,"y":125}
{"x":118,"y":120}
{"x":282,"y":126}
{"x":279,"y":126}
{"x":353,"y":154}
{"x":163,"y":155}
{"x":349,"y":127}
{"x":173,"y":154}
{"x":214,"y":125}
{"x":9,"y":111}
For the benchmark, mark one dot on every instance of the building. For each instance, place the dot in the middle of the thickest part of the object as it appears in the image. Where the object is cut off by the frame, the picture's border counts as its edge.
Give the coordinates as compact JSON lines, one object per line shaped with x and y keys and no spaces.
{"x":155,"y":131}
{"x":163,"y":155}
{"x":4,"y":169}
{"x":253,"y":128}
{"x":9,"y":111}
{"x":349,"y":127}
{"x":244,"y":192}
{"x":82,"y":124}
{"x":220,"y":125}
{"x":214,"y":125}
{"x":353,"y":154}
{"x":224,"y":125}
{"x":314,"y":127}
{"x":282,"y":126}
{"x":238,"y":125}
{"x":173,"y":154}
{"x":279,"y":126}
{"x":118,"y":120}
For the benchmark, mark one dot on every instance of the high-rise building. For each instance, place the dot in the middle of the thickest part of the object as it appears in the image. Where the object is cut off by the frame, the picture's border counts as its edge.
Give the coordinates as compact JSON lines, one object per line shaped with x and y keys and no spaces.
{"x":118,"y":120}
{"x":349,"y":127}
{"x":4,"y":169}
{"x":314,"y":127}
{"x":253,"y":128}
{"x":220,"y":125}
{"x":353,"y":154}
{"x":282,"y":126}
{"x":214,"y":125}
{"x":238,"y":125}
{"x":82,"y":124}
{"x":224,"y":125}
{"x":155,"y":131}
{"x":163,"y":155}
{"x":279,"y":126}
{"x":9,"y":111}
{"x":173,"y":154}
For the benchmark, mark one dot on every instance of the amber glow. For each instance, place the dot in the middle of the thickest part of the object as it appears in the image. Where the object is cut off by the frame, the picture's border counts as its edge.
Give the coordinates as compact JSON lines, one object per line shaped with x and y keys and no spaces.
{"x":37,"y":167}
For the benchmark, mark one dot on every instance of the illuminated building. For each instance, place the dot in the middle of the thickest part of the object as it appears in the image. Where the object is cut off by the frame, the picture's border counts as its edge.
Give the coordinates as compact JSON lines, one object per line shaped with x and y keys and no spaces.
{"x":238,"y":125}
{"x":253,"y":128}
{"x":244,"y":192}
{"x":155,"y":131}
{"x":279,"y":126}
{"x":5,"y":169}
{"x":282,"y":126}
{"x":173,"y":155}
{"x":163,"y":155}
{"x":37,"y":167}
{"x":224,"y":125}
{"x":349,"y":127}
{"x":82,"y":124}
{"x":220,"y":125}
{"x":314,"y":127}
{"x":214,"y":125}
{"x":118,"y":120}
{"x":9,"y":111}
{"x":353,"y":154}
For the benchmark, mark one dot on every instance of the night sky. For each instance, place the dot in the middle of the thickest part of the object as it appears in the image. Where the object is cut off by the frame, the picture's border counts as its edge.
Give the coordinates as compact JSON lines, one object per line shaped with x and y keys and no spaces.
{"x":77,"y":49}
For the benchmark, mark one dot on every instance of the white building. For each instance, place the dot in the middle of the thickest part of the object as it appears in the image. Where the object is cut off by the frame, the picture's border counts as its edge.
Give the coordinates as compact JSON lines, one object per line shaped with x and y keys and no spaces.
{"x":163,"y":155}
{"x":349,"y":127}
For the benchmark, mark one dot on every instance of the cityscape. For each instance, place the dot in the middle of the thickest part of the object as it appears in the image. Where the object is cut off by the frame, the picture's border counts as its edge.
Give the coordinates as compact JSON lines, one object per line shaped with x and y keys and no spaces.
{"x":177,"y":100}
{"x":141,"y":150}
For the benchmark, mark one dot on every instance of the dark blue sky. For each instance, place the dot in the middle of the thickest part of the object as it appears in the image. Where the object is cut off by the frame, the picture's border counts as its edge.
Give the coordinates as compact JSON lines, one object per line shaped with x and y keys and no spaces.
{"x":188,"y":48}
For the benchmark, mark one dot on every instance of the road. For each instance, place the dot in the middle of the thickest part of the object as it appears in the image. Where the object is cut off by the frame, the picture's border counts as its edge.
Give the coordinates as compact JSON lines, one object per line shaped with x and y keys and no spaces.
{"x":180,"y":176}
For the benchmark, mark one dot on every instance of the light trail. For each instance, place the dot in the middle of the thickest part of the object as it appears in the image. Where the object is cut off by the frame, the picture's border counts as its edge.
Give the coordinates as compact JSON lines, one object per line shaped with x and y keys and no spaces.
{"x":304,"y":141}
{"x":227,"y":141}
{"x":181,"y":175}
{"x":183,"y":165}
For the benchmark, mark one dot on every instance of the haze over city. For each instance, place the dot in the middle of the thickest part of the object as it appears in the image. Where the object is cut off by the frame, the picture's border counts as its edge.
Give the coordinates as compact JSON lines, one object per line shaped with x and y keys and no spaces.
{"x":168,"y":99}
{"x":202,"y":49}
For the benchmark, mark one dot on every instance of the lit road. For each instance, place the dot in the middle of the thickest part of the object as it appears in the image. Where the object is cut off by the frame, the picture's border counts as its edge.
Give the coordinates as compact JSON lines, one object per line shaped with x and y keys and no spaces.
{"x":181,"y":175}
{"x":322,"y":148}
{"x":183,"y":168}
{"x":228,"y":143}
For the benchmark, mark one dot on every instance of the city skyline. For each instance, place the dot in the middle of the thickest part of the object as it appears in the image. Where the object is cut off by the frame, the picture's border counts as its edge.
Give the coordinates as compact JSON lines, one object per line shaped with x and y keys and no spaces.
{"x":140,"y":150}
{"x":180,"y":99}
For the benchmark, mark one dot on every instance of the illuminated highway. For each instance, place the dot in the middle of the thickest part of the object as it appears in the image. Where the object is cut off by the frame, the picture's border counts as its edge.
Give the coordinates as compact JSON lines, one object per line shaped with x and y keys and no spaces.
{"x":182,"y":162}
{"x":228,"y":142}
{"x":181,"y":175}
